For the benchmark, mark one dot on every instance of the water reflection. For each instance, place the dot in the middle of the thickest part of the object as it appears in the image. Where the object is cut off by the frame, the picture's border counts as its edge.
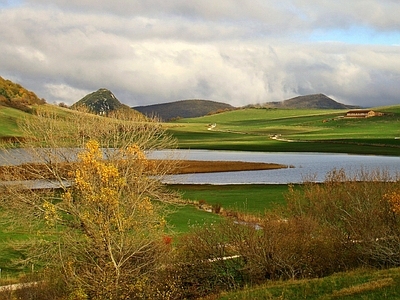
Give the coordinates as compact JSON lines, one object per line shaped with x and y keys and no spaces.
{"x":306,"y":165}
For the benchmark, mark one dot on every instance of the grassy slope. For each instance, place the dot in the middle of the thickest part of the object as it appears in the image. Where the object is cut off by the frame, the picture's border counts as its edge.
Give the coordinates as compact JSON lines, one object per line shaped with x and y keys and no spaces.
{"x":358,"y":284}
{"x":324,"y":131}
{"x":10,"y":117}
{"x":9,"y":121}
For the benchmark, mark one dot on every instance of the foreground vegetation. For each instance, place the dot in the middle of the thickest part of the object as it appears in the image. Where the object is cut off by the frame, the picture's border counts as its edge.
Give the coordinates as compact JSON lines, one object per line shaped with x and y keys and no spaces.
{"x":342,"y":231}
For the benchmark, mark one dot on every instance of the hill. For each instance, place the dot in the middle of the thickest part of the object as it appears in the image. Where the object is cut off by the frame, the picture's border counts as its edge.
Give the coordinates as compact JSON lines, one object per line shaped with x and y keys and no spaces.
{"x":15,"y":96}
{"x":183,"y":109}
{"x":101,"y":102}
{"x":314,"y":101}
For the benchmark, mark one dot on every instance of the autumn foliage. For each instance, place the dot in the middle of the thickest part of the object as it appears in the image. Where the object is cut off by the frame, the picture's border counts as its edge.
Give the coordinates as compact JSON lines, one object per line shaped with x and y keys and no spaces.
{"x":14,"y":95}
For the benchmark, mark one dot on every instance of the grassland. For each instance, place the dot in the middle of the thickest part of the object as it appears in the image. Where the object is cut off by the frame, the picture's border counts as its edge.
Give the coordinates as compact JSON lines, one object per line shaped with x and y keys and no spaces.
{"x":249,"y":199}
{"x":9,"y":122}
{"x":294,"y":131}
{"x":252,"y":198}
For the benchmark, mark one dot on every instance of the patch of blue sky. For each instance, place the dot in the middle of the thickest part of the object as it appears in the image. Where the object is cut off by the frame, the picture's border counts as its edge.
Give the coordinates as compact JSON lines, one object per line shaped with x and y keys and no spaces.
{"x":10,"y":3}
{"x":356,"y":35}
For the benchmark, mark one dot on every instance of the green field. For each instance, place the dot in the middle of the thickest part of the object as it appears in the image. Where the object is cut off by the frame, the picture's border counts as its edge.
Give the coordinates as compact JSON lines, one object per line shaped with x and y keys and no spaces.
{"x":9,"y":121}
{"x":252,"y":198}
{"x":297,"y":130}
{"x":246,"y":198}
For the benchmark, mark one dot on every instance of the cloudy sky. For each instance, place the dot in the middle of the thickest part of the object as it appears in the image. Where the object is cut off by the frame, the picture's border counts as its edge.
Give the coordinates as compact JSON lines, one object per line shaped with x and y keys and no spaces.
{"x":234,"y":51}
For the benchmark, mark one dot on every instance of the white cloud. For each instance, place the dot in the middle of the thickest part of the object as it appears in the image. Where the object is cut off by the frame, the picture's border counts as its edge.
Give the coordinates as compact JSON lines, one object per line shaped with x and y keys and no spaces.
{"x":62,"y":93}
{"x":232,"y":51}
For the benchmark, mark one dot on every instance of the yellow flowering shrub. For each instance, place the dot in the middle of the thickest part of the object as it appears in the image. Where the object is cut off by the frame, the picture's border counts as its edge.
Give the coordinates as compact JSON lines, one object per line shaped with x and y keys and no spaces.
{"x":50,"y":213}
{"x":393,"y":199}
{"x":111,"y":204}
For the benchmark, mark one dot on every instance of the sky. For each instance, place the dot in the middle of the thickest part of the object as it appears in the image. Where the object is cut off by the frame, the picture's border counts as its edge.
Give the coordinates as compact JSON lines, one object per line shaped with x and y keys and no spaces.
{"x":238,"y":52}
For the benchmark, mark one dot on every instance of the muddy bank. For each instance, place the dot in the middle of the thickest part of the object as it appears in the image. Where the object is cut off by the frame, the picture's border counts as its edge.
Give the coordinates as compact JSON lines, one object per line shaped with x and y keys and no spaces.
{"x":197,"y":166}
{"x":41,"y":171}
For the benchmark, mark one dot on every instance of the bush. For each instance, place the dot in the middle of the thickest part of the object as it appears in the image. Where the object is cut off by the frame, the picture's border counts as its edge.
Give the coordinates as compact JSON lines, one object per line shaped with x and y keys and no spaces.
{"x":356,"y":208}
{"x":206,"y":262}
{"x":290,"y":249}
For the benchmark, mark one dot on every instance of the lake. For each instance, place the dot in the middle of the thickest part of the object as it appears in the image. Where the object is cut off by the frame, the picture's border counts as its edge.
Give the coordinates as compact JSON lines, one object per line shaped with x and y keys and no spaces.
{"x":305,"y":165}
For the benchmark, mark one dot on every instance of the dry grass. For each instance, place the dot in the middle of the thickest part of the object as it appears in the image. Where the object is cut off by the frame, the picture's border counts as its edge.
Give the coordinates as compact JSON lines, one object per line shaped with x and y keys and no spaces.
{"x":362,"y":288}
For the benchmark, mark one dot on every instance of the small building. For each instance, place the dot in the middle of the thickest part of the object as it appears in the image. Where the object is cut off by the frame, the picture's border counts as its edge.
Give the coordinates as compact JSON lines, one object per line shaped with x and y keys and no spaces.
{"x":362,"y":113}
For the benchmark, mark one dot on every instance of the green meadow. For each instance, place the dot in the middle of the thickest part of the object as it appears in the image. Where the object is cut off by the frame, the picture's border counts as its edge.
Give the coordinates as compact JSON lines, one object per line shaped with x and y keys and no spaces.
{"x":252,"y":199}
{"x":9,"y":122}
{"x":296,"y":131}
{"x":251,"y":129}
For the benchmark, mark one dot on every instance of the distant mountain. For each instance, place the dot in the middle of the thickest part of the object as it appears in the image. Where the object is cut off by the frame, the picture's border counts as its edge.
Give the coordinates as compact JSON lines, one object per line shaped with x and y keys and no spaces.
{"x":15,"y":96}
{"x":315,"y":101}
{"x":101,"y":102}
{"x":183,"y":109}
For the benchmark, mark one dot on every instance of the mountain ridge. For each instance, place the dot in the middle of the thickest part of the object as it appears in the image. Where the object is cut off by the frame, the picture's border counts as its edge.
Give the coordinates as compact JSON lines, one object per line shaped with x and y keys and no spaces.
{"x":312,"y":101}
{"x":190,"y":108}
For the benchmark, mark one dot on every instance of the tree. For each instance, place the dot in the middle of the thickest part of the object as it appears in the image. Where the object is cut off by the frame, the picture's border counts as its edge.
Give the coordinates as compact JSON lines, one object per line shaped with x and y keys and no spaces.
{"x":109,"y":222}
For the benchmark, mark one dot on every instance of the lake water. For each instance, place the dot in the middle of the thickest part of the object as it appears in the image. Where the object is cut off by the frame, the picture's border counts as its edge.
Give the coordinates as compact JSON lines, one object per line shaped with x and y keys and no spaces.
{"x":304,"y":165}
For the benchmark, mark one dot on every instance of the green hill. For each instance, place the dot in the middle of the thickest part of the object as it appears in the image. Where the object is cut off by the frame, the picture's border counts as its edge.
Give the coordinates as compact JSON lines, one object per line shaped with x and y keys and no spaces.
{"x":15,"y":96}
{"x":183,"y":109}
